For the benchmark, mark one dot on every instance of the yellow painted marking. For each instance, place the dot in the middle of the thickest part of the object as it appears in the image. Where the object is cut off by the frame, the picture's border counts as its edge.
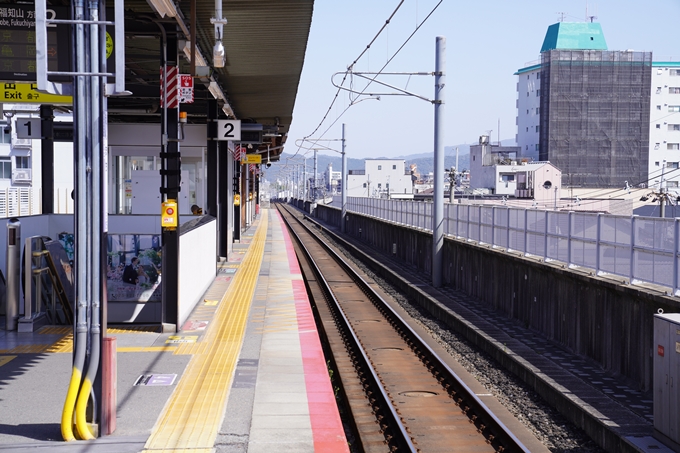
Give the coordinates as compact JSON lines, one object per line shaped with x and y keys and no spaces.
{"x":146,"y":348}
{"x":5,"y":359}
{"x":29,"y":349}
{"x":211,"y":302}
{"x":193,"y":415}
{"x":182,"y":339}
{"x":55,"y":330}
{"x":65,"y":344}
{"x":134,"y":329}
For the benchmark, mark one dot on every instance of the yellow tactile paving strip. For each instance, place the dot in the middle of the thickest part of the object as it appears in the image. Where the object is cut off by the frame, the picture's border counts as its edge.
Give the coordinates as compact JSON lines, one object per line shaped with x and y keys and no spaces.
{"x":193,"y":414}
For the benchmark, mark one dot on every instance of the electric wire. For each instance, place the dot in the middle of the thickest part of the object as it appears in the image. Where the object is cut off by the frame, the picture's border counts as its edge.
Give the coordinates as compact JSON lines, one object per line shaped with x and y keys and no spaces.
{"x":337,"y":93}
{"x":385,"y":65}
{"x":349,"y":72}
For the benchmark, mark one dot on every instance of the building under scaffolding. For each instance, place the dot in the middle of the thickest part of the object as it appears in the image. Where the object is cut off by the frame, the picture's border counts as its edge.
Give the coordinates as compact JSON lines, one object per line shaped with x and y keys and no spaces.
{"x":594,"y":115}
{"x":586,"y":109}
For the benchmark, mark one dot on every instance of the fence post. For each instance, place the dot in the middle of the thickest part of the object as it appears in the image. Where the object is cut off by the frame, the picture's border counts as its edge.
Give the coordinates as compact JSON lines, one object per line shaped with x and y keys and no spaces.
{"x":468,"y":222}
{"x":545,"y":239}
{"x":455,"y":209}
{"x":631,"y":270}
{"x":507,"y":230}
{"x":597,"y":244}
{"x":675,"y":256}
{"x":526,"y":222}
{"x":493,"y":226}
{"x":569,"y":229}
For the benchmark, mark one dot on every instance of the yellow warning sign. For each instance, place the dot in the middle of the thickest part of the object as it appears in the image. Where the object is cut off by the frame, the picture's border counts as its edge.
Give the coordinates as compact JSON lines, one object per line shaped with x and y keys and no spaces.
{"x":18,"y":92}
{"x":252,"y":159}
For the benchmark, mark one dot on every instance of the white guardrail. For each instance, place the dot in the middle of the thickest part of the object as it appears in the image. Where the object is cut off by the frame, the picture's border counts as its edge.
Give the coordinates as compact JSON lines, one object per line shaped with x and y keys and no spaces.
{"x":639,"y":249}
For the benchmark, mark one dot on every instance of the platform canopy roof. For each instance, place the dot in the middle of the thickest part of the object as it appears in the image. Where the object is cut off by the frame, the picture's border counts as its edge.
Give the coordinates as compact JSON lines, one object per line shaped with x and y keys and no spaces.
{"x":264,"y":43}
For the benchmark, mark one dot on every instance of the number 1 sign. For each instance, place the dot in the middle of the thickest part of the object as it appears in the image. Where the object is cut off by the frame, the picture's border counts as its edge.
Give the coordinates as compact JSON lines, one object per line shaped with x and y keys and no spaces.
{"x":229,"y":130}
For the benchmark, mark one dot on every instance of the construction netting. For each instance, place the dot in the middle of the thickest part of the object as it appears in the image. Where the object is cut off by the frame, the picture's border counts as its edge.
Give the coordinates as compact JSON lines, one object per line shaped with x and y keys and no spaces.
{"x":594,"y":116}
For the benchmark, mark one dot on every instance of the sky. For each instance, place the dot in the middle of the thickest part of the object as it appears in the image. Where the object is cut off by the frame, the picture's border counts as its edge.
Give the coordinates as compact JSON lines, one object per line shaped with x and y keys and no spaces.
{"x":487,"y":41}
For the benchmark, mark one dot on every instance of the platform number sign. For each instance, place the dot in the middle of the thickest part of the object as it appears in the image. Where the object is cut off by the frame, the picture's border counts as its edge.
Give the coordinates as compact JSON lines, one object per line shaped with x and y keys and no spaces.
{"x":229,"y":130}
{"x":29,"y":128}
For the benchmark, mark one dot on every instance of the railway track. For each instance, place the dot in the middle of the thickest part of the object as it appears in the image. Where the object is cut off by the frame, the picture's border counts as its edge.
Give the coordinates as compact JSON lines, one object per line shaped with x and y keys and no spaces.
{"x":401,"y":395}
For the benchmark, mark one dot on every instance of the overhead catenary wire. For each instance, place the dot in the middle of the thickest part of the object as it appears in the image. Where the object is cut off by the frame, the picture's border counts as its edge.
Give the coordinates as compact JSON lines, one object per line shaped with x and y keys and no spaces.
{"x":350,"y":68}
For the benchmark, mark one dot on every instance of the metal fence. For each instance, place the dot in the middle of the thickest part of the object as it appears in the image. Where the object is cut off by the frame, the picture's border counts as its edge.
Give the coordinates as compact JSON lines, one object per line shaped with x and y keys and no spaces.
{"x":16,"y":202}
{"x":640,"y":249}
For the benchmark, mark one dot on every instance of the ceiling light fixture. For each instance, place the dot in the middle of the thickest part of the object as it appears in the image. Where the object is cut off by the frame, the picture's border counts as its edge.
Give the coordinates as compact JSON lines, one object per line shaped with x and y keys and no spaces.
{"x":164,"y":7}
{"x":216,"y":91}
{"x":200,"y":61}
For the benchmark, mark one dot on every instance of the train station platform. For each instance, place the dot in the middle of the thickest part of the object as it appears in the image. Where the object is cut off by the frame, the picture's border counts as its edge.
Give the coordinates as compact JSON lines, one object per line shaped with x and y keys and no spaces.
{"x":246,"y":372}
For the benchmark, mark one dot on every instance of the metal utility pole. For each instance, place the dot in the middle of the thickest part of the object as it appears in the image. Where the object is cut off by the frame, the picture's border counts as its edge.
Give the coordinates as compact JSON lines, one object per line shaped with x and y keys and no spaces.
{"x":452,"y":184}
{"x":438,"y":211}
{"x":662,"y":194}
{"x":314,"y":196}
{"x":343,"y":212}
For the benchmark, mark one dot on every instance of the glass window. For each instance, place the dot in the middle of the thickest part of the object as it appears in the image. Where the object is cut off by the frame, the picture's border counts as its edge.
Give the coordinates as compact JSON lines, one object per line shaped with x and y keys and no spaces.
{"x":673,"y":146}
{"x":675,"y":72}
{"x":674,"y":127}
{"x":537,"y":128}
{"x":5,"y":133}
{"x":656,"y":163}
{"x":379,"y":167}
{"x":671,"y":164}
{"x":672,"y":184}
{"x":674,"y":90}
{"x":537,"y":147}
{"x":674,"y":108}
{"x":658,"y":126}
{"x":658,"y":107}
{"x":364,"y":185}
{"x":5,"y":168}
{"x":394,"y":167}
{"x":538,"y":93}
{"x":22,"y":162}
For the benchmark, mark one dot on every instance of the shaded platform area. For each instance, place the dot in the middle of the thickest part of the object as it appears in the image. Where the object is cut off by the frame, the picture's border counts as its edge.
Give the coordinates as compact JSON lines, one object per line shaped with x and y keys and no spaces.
{"x":245,"y":373}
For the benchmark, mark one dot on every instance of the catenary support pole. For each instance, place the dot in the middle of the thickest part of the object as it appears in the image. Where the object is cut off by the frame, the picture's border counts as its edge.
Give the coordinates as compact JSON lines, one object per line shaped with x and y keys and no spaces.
{"x":438,"y":211}
{"x":343,"y":183}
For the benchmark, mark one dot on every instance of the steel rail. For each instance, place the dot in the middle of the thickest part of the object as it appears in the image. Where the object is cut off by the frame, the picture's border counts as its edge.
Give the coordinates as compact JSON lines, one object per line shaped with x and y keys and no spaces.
{"x":478,"y":411}
{"x":404,"y":442}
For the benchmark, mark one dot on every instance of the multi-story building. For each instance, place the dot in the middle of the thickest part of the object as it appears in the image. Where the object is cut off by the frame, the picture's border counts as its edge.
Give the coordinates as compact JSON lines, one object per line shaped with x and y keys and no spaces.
{"x":332,"y":179}
{"x":605,"y":118}
{"x":664,"y":134}
{"x":380,"y":178}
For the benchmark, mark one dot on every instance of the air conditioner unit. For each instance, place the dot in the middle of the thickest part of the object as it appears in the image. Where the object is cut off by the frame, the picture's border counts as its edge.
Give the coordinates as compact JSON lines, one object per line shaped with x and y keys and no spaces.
{"x":26,"y":143}
{"x":21,"y":175}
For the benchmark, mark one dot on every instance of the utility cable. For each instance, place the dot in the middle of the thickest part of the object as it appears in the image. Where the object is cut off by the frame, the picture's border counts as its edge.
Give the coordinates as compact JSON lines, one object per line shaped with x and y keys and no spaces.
{"x":349,"y":69}
{"x":337,"y":93}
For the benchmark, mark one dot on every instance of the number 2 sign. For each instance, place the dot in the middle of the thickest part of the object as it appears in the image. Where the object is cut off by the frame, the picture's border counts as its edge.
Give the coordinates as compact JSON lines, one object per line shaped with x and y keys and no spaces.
{"x":229,"y":130}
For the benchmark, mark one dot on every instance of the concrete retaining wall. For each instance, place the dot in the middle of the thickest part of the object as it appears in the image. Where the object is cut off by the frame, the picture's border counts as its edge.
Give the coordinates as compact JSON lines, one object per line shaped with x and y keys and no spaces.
{"x":599,"y":318}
